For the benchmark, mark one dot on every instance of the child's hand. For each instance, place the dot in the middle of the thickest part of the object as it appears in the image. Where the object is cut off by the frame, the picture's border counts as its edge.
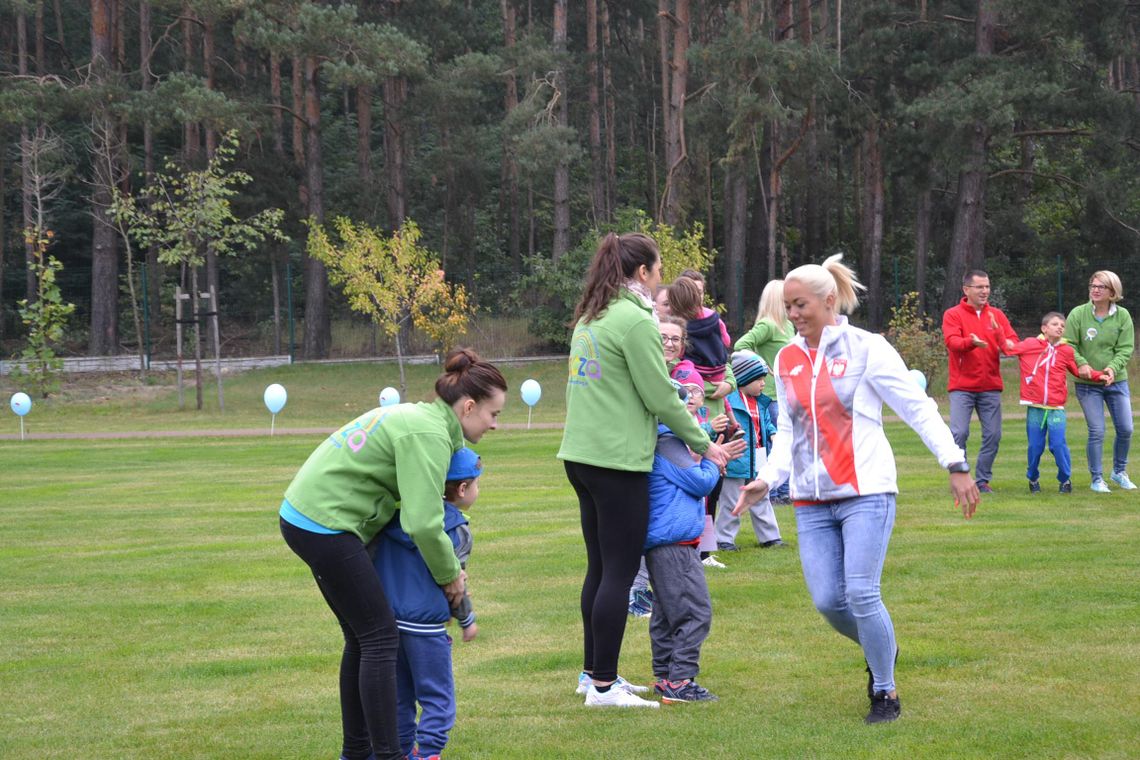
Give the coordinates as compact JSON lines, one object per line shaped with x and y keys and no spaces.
{"x":719,"y":422}
{"x":470,"y":632}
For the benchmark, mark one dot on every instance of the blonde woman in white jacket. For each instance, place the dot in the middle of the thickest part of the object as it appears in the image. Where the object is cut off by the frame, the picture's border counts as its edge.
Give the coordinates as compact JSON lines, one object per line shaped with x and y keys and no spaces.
{"x":832,"y":380}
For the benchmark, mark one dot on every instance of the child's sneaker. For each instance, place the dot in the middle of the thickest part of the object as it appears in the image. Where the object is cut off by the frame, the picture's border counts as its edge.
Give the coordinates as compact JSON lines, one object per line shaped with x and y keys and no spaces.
{"x":726,"y":546}
{"x":1098,"y":486}
{"x":659,"y":685}
{"x":1121,"y":479}
{"x":1066,"y":487}
{"x":712,"y":561}
{"x":616,"y":697}
{"x":1034,"y":486}
{"x":685,"y":691}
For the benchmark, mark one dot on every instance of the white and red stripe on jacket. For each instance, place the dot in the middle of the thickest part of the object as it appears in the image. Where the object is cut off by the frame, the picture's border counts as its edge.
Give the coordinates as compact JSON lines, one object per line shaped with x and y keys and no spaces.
{"x":831,"y":441}
{"x":1043,"y":368}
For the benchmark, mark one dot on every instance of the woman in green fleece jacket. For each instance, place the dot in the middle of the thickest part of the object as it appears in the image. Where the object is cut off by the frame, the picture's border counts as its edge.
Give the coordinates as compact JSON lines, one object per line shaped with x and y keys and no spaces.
{"x":1102,"y":337}
{"x":387,"y":462}
{"x":617,"y":390}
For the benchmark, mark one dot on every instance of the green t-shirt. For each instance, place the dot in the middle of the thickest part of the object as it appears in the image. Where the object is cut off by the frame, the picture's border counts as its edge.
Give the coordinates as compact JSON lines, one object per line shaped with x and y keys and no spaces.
{"x":388,"y":460}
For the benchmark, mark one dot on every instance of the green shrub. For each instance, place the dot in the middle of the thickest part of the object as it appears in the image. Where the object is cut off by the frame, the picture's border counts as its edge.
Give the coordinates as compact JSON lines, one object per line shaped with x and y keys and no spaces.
{"x":918,"y":340}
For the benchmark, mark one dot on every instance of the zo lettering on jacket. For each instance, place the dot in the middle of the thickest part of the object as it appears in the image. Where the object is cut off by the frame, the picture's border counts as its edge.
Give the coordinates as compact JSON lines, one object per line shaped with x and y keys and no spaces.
{"x":585,"y":360}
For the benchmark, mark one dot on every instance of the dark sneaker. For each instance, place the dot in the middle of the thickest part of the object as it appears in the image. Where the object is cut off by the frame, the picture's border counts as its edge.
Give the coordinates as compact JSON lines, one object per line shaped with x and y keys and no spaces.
{"x":884,"y":709}
{"x":1066,"y":487}
{"x":659,"y":685}
{"x":726,"y":546}
{"x":984,"y":488}
{"x":775,"y":544}
{"x":685,"y":691}
{"x":1034,"y":487}
{"x":782,"y":501}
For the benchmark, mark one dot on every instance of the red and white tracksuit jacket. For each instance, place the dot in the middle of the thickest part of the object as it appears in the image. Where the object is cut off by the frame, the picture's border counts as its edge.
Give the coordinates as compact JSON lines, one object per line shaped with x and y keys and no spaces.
{"x":830,"y":438}
{"x":1043,"y":368}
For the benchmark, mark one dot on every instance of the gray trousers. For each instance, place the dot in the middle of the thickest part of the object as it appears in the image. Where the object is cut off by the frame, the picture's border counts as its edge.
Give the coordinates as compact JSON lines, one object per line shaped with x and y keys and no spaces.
{"x":763,"y":516}
{"x":988,"y":404}
{"x":682,"y":610}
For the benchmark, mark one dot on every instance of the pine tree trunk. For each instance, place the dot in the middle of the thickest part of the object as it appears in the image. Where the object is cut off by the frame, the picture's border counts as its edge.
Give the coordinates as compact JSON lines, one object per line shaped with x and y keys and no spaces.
{"x":30,"y":289}
{"x":561,"y":241}
{"x":154,"y":270}
{"x":736,"y":237}
{"x":104,"y":338}
{"x":317,"y":328}
{"x":967,"y":247}
{"x":395,"y":93}
{"x":40,"y":62}
{"x":509,"y":198}
{"x":676,"y":155}
{"x":611,"y":114}
{"x":364,"y":136}
{"x":594,"y":98}
{"x":922,"y":226}
{"x":872,"y":224}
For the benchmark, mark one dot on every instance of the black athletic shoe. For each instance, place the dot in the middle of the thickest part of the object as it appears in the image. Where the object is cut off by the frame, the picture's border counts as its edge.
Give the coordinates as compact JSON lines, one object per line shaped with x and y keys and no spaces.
{"x":775,"y":543}
{"x":884,"y":709}
{"x":1034,"y":487}
{"x":726,"y":546}
{"x":871,"y":676}
{"x":1066,"y":487}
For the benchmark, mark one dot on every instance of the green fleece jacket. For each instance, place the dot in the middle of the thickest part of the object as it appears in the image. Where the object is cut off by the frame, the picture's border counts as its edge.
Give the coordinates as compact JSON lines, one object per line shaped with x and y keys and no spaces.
{"x":1101,"y":343}
{"x":388,"y":460}
{"x":766,"y":339}
{"x":617,"y":390}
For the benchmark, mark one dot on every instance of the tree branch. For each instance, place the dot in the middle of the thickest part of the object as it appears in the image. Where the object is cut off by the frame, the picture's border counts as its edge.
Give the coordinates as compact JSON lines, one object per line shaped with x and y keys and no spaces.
{"x":289,"y":111}
{"x":1058,"y":132}
{"x":1029,"y":172}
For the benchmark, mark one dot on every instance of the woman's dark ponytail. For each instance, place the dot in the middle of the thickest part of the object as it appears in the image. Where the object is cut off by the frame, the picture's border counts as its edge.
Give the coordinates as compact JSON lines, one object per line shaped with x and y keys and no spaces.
{"x":616,"y":260}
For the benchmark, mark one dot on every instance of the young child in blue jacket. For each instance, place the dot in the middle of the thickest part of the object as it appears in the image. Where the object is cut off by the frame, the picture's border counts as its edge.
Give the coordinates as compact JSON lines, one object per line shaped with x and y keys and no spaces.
{"x":750,"y":407}
{"x":682,"y":609}
{"x":423,"y":665}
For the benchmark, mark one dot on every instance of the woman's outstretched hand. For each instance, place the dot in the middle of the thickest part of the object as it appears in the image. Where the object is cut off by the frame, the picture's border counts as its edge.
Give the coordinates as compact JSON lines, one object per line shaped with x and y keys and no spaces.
{"x":750,"y":495}
{"x":965,"y":492}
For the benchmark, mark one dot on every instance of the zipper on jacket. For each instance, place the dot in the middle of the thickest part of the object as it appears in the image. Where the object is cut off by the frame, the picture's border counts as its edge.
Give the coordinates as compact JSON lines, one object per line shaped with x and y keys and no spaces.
{"x":814,"y":419}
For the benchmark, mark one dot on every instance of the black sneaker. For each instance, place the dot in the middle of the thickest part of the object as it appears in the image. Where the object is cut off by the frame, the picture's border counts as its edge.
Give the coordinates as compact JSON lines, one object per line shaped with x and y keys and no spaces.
{"x":775,"y":543}
{"x":685,"y":691}
{"x":884,"y":709}
{"x":726,"y":546}
{"x":1066,"y":487}
{"x":1034,"y":487}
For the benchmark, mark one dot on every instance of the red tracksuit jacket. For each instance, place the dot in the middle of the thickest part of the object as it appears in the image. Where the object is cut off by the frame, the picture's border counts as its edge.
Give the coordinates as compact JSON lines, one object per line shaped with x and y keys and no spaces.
{"x":974,"y":368}
{"x":1043,"y":368}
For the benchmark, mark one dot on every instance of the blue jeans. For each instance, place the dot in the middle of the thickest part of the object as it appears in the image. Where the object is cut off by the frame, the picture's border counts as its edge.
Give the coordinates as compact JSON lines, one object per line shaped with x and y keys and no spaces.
{"x":988,"y":404}
{"x":1042,"y":424}
{"x":423,"y":674}
{"x":842,"y":548}
{"x":1094,"y":398}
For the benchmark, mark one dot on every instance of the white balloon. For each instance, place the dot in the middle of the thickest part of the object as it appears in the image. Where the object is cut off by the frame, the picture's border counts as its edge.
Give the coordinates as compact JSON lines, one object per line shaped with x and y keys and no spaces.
{"x":389,"y":396}
{"x":919,"y":378}
{"x":275,"y":398}
{"x":21,"y":404}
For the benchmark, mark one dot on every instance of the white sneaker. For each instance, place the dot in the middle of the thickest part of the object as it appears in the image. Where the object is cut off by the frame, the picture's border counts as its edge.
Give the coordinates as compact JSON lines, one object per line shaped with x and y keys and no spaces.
{"x":1121,"y":479}
{"x":584,"y":683}
{"x":616,"y":697}
{"x":1099,"y":485}
{"x":712,"y":561}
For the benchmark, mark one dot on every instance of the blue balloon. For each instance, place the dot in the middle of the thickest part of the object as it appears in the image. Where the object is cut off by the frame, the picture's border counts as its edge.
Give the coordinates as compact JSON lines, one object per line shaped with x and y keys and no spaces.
{"x":21,"y":404}
{"x":531,"y":392}
{"x":275,"y":398}
{"x":919,"y":378}
{"x":389,"y":396}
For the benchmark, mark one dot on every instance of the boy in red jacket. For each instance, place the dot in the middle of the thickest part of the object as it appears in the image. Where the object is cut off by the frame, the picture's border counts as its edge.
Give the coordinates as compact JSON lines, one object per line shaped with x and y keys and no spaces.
{"x":1044,"y":388}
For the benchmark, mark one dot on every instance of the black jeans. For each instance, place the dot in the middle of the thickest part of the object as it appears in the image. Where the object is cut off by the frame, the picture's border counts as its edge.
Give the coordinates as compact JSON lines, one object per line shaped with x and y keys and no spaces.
{"x":349,"y":583}
{"x":615,"y":517}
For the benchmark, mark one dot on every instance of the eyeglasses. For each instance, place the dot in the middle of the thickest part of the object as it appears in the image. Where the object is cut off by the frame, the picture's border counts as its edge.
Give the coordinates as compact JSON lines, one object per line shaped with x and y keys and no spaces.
{"x":978,"y":287}
{"x":1098,"y":286}
{"x":671,"y":339}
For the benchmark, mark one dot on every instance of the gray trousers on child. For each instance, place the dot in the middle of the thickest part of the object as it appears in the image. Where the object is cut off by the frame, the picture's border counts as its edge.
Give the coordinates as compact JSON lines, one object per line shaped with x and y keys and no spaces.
{"x":727,"y":526}
{"x":682,"y":610}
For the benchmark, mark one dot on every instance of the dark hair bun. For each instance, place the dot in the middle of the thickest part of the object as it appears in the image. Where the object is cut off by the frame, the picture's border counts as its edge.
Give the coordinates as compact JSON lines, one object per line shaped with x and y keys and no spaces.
{"x":460,"y":360}
{"x":465,"y":374}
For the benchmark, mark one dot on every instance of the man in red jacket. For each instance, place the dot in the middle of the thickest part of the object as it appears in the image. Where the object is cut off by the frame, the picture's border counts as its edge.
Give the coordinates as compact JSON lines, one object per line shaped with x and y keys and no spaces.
{"x":976,"y":334}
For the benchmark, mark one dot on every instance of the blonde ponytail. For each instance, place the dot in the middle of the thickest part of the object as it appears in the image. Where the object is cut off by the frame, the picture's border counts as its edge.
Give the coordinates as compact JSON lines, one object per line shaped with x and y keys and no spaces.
{"x":833,"y":276}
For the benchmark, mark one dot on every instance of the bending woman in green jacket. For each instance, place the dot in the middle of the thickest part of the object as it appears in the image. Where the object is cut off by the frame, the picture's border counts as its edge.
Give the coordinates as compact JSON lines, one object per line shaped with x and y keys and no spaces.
{"x":617,"y":390}
{"x":388,"y":461}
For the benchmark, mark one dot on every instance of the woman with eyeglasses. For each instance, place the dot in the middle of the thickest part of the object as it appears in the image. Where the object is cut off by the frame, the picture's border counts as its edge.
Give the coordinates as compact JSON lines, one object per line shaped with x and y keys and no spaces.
{"x":1103,"y":337}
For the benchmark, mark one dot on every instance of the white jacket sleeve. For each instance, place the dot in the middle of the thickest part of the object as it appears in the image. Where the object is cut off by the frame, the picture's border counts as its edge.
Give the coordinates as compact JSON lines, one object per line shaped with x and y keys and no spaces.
{"x":888,"y":375}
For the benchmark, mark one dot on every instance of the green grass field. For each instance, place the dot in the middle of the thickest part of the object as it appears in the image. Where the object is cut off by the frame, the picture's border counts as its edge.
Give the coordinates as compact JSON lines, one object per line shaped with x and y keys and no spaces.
{"x":150,"y":609}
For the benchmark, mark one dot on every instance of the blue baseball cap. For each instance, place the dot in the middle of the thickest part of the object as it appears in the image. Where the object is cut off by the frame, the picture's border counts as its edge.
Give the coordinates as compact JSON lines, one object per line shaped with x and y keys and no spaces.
{"x":465,"y":465}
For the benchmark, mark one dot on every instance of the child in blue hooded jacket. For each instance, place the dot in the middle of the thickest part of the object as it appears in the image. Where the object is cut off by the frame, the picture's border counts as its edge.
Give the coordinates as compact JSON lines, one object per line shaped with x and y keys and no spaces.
{"x":682,"y":609}
{"x":423,"y":665}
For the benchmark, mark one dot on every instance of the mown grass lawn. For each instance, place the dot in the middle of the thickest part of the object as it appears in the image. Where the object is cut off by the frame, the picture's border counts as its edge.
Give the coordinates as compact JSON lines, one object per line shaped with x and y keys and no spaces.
{"x":150,"y":609}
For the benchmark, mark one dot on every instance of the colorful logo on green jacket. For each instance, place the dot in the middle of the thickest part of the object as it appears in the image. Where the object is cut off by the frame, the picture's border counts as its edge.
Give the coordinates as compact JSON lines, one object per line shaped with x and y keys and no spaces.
{"x":584,"y":363}
{"x":355,"y":434}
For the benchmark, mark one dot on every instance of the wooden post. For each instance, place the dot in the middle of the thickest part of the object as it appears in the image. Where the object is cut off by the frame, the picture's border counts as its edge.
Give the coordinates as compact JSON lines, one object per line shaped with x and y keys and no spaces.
{"x":213,"y":295}
{"x":178,"y":298}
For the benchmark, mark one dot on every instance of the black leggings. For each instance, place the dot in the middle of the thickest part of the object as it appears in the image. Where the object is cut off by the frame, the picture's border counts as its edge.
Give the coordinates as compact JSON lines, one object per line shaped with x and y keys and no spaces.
{"x":615,"y":516}
{"x":349,"y":583}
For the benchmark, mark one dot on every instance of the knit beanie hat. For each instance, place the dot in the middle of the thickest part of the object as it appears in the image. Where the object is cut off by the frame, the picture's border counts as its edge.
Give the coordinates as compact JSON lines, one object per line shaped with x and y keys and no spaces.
{"x":747,"y":366}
